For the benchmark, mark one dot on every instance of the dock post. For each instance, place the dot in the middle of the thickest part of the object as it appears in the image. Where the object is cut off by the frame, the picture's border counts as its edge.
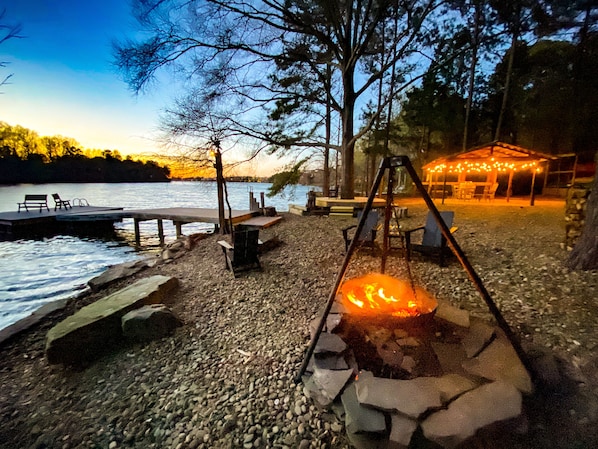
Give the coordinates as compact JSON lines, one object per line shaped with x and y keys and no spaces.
{"x":178,"y":225}
{"x":137,"y":236}
{"x":161,"y":232}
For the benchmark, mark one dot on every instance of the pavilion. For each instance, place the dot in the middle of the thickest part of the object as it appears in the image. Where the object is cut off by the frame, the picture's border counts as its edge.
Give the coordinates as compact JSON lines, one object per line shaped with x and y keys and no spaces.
{"x":490,"y":160}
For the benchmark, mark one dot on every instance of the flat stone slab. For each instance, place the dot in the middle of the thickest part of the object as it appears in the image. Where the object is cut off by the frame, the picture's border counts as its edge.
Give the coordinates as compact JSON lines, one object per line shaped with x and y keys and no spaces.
{"x":474,"y":410}
{"x":331,"y":382}
{"x":499,"y":361}
{"x":477,"y":338}
{"x":330,"y":343}
{"x":116,"y":272}
{"x":89,"y":331}
{"x":401,"y":431}
{"x":452,"y":385}
{"x":35,"y":317}
{"x":447,"y":312}
{"x":359,"y":419}
{"x":450,"y":356}
{"x":409,"y":397}
{"x":330,"y":361}
{"x":332,"y":321}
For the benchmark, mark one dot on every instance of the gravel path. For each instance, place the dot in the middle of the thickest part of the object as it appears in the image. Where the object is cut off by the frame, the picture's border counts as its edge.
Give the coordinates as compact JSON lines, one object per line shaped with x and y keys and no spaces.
{"x":225,"y":380}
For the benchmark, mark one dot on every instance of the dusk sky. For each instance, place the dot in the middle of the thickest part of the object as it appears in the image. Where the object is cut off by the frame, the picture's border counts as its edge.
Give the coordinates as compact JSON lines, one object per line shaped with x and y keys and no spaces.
{"x":63,"y":79}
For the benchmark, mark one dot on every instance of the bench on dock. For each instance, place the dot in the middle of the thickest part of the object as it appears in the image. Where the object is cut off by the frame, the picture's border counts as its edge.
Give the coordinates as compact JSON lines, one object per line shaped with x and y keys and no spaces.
{"x":38,"y":201}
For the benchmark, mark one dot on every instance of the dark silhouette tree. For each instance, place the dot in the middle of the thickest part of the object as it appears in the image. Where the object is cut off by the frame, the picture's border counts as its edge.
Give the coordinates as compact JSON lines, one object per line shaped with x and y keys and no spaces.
{"x":7,"y":31}
{"x":230,"y":49}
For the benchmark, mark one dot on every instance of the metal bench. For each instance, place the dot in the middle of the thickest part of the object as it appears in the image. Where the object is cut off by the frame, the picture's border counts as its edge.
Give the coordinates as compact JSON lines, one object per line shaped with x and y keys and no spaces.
{"x":38,"y":201}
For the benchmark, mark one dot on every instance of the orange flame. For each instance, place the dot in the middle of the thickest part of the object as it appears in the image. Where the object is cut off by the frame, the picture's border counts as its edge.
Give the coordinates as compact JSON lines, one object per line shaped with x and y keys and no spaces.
{"x":379,"y":294}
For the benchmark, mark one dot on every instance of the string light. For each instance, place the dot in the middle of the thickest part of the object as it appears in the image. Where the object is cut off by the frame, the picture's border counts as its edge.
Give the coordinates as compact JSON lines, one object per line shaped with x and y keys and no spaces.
{"x":483,"y":167}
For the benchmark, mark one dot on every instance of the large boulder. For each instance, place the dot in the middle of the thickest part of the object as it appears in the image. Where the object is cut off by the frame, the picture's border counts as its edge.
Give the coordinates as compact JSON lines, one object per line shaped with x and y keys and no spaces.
{"x":97,"y":327}
{"x":149,"y":322}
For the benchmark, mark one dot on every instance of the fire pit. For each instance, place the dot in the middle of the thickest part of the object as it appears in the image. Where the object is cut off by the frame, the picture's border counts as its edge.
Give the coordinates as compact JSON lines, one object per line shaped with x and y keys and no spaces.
{"x":381,"y":318}
{"x":380,"y":298}
{"x":397,"y":360}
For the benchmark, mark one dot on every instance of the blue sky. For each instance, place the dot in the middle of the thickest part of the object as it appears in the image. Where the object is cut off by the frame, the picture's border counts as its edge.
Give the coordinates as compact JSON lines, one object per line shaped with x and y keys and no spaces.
{"x":63,"y":79}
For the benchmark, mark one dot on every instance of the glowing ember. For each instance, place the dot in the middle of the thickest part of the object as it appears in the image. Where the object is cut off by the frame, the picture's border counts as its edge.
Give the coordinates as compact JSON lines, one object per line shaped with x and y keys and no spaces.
{"x":379,"y":294}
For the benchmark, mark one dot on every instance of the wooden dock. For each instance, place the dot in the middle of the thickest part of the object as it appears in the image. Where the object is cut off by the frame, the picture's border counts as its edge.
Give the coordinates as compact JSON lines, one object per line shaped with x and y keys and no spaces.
{"x":332,"y":206}
{"x":358,"y":202}
{"x":26,"y":224}
{"x":20,"y":224}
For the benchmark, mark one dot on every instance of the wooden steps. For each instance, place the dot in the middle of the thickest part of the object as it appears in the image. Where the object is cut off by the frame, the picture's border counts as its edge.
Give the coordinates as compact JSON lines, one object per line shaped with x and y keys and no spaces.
{"x":341,"y":211}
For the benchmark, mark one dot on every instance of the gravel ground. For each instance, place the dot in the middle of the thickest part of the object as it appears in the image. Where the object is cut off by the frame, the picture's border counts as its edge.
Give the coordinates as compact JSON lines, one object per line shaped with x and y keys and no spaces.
{"x":226,"y":379}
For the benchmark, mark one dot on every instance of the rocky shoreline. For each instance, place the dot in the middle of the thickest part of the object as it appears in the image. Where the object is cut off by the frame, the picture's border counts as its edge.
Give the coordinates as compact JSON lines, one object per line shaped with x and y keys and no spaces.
{"x":226,"y":378}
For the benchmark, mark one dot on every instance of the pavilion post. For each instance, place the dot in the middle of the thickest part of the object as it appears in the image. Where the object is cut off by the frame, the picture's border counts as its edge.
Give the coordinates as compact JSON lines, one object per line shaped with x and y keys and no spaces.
{"x":532,"y":195}
{"x":510,"y":185}
{"x":443,"y":185}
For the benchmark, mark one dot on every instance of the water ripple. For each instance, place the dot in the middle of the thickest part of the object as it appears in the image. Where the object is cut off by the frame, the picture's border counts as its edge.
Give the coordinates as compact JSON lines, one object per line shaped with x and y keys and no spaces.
{"x":35,"y":272}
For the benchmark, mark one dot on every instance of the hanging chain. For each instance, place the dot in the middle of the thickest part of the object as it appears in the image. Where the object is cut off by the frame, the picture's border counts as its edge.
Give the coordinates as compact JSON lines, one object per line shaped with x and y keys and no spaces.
{"x":410,"y":274}
{"x":406,"y":260}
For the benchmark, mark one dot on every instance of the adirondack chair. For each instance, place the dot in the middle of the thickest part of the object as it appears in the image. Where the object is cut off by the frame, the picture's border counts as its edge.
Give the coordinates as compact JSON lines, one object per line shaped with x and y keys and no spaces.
{"x":60,"y":203}
{"x":242,"y":255}
{"x":367,"y":236}
{"x":433,"y":243}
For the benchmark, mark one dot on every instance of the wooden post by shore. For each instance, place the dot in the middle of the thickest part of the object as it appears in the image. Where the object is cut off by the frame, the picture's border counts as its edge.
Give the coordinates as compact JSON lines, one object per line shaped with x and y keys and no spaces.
{"x":161,"y":231}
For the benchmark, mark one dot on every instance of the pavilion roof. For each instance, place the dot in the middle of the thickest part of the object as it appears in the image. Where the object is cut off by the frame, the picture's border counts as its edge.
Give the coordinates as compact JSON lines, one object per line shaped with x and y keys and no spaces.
{"x":494,"y":155}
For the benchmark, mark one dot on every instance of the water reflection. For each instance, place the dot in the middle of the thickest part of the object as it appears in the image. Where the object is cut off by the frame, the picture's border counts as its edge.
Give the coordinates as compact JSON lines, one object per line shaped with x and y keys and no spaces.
{"x":35,"y":272}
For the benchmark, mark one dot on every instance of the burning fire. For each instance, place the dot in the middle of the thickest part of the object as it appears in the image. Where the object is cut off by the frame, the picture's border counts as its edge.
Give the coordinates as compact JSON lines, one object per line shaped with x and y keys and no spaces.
{"x":379,"y":294}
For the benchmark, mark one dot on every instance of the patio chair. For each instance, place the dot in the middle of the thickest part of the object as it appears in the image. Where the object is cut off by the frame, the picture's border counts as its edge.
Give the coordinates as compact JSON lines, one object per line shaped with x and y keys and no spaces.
{"x":439,"y":190}
{"x":490,"y":192}
{"x":433,"y":243}
{"x":479,"y":192}
{"x":60,"y":203}
{"x":242,"y":254}
{"x":367,"y":236}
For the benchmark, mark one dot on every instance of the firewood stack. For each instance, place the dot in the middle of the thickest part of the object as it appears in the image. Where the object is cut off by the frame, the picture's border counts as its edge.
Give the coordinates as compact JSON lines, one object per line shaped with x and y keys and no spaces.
{"x":575,"y":213}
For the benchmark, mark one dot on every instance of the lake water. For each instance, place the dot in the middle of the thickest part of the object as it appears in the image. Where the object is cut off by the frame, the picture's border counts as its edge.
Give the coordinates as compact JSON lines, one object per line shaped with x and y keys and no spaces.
{"x":35,"y":272}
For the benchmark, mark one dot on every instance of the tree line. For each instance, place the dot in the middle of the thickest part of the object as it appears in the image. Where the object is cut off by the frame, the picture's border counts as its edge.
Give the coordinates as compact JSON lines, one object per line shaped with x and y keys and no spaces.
{"x":552,"y":105}
{"x":25,"y":157}
{"x":415,"y":77}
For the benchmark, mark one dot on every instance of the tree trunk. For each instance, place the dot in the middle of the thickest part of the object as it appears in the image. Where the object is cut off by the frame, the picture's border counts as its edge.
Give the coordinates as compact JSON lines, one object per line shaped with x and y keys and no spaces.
{"x":348,"y":144}
{"x":585,"y":253}
{"x":471,"y":83}
{"x":505,"y":95}
{"x":326,"y":180}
